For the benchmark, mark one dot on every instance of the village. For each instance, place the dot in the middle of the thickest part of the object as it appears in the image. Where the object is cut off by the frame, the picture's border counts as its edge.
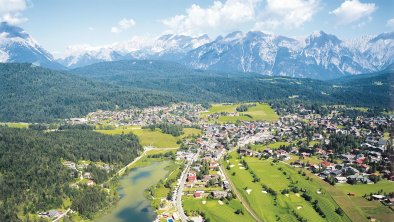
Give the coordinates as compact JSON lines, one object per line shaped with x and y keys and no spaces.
{"x":337,"y":148}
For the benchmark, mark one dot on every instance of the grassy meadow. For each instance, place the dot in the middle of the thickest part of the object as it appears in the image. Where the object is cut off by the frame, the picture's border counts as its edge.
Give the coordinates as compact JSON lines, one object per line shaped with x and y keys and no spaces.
{"x":153,"y":138}
{"x":260,"y":112}
{"x":281,"y":208}
{"x":215,"y":211}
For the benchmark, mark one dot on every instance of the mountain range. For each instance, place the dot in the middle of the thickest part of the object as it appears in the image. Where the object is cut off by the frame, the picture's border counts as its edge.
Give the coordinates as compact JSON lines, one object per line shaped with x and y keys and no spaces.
{"x":319,"y":55}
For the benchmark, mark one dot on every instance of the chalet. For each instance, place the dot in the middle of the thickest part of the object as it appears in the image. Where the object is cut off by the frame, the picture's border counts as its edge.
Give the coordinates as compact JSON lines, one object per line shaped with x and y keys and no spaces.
{"x":218,"y":194}
{"x":336,"y":173}
{"x":87,"y":175}
{"x":53,"y":213}
{"x":198,"y":194}
{"x":246,"y":152}
{"x":340,"y":179}
{"x":191,"y":176}
{"x":90,"y":183}
{"x":326,"y":164}
{"x":378,"y":197}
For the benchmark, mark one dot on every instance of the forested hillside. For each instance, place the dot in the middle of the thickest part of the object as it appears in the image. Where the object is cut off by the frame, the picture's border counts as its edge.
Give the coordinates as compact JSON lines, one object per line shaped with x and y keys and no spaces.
{"x":35,"y":94}
{"x":209,"y":86}
{"x":32,"y":177}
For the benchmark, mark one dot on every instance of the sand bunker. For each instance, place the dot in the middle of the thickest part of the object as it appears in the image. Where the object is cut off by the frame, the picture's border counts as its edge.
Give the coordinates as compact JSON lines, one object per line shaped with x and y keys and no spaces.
{"x":248,"y":191}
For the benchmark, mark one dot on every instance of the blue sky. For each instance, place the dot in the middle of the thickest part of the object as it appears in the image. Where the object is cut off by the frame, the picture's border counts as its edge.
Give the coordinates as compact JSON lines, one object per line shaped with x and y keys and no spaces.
{"x":57,"y":24}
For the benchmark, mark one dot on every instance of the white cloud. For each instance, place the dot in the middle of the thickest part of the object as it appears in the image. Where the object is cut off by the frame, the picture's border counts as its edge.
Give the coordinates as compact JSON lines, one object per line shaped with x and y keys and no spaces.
{"x":287,"y":13}
{"x":352,"y":11}
{"x":10,"y":11}
{"x":390,"y":23}
{"x":122,"y":25}
{"x":219,"y":16}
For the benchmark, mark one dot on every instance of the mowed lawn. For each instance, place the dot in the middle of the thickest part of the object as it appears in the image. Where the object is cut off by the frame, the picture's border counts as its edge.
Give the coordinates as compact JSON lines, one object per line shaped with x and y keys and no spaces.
{"x":361,"y":189}
{"x":275,"y":145}
{"x":154,"y":138}
{"x":260,"y":112}
{"x":264,"y":204}
{"x":216,"y":212}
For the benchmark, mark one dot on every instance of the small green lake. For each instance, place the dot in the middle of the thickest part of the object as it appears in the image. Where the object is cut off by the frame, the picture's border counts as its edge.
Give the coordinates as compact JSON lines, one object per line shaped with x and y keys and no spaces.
{"x":133,"y":206}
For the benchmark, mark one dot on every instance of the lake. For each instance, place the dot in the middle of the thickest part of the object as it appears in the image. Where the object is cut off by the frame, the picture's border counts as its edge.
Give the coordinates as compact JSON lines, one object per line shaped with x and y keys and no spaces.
{"x":133,"y":206}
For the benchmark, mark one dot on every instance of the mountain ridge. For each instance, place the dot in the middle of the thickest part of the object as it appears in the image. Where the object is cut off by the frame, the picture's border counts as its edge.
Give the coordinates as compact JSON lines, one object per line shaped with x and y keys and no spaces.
{"x":319,"y":55}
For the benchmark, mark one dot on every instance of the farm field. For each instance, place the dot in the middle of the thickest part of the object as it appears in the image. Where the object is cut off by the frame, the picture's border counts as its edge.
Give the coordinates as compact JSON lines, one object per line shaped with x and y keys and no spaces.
{"x":281,"y":208}
{"x":261,"y":111}
{"x":214,"y":211}
{"x":154,"y":138}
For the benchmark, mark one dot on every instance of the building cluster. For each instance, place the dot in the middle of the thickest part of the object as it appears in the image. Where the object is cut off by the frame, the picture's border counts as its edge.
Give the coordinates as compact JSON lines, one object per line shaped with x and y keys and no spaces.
{"x":179,"y":114}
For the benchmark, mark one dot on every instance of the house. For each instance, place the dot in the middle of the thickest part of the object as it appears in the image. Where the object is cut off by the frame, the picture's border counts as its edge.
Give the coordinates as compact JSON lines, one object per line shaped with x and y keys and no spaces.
{"x":87,"y":175}
{"x":324,"y":174}
{"x":336,"y":173}
{"x":247,"y":152}
{"x":378,"y":197}
{"x":53,"y":213}
{"x":90,"y":183}
{"x":198,"y":193}
{"x":218,"y":194}
{"x":191,"y":176}
{"x":325,"y":164}
{"x":340,"y":179}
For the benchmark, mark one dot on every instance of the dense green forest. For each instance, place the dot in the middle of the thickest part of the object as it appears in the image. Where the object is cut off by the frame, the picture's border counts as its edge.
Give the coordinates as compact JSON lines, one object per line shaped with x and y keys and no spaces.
{"x":209,"y":86}
{"x":34,"y":94}
{"x":32,"y":177}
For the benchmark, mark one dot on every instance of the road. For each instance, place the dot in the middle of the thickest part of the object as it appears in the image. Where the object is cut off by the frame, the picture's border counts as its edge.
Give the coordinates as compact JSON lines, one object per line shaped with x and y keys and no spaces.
{"x":62,"y":215}
{"x":179,"y":193}
{"x":239,"y":196}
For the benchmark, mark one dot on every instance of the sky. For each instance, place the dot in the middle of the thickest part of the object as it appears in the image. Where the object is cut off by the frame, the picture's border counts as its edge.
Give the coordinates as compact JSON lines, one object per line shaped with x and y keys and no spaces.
{"x":59,"y":24}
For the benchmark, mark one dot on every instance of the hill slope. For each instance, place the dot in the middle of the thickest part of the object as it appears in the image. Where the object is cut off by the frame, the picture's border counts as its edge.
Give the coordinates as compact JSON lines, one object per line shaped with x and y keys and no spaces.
{"x":29,"y":93}
{"x":209,"y":86}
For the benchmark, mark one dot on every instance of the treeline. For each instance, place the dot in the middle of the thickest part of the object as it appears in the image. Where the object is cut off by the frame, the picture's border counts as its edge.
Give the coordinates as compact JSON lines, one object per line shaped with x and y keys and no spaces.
{"x":210,"y":86}
{"x":172,"y":129}
{"x":343,"y":143}
{"x":35,"y":94}
{"x":32,"y":177}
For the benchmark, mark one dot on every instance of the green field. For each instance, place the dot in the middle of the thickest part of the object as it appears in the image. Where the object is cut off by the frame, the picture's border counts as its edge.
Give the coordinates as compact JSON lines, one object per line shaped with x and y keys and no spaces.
{"x":259,"y":112}
{"x":154,"y":138}
{"x":312,"y":159}
{"x":15,"y":125}
{"x":214,"y":211}
{"x":264,"y":203}
{"x":275,"y":145}
{"x":361,"y":189}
